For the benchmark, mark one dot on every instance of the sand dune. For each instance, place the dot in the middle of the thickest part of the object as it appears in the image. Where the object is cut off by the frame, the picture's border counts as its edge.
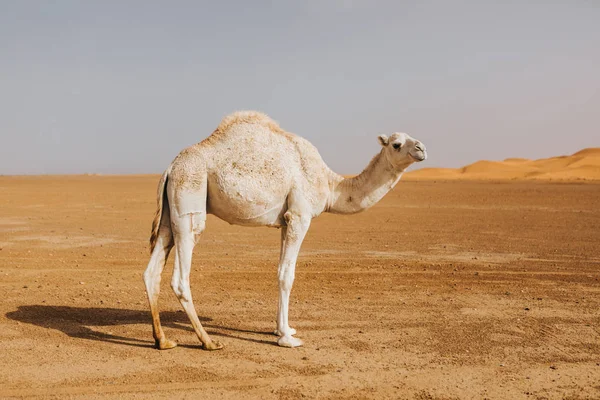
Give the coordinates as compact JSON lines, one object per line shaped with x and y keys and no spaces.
{"x":581,"y":166}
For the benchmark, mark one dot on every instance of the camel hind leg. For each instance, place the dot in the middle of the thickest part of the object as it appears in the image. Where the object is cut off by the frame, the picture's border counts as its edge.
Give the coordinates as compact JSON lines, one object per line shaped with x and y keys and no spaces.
{"x":188,"y":220}
{"x":189,"y":227}
{"x":152,"y":278}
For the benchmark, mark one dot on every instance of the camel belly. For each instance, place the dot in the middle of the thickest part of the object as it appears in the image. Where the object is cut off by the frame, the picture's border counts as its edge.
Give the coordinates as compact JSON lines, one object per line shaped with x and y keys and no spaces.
{"x":246,"y":201}
{"x":261,"y":218}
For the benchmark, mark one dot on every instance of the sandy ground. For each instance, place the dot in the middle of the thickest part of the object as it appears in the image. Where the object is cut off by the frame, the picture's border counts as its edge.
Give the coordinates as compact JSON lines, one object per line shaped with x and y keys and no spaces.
{"x":443,"y":290}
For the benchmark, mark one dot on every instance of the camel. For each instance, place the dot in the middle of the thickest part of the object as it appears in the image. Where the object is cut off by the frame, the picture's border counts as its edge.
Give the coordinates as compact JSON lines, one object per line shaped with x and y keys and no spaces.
{"x":251,"y":172}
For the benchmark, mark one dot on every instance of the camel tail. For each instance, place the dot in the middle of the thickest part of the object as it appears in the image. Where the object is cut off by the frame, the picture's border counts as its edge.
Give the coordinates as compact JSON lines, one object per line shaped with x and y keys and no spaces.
{"x":162,"y":206}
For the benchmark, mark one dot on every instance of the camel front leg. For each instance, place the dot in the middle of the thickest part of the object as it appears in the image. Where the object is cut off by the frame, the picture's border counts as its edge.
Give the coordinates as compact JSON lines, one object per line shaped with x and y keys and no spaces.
{"x":278,"y":332}
{"x":297,"y":226}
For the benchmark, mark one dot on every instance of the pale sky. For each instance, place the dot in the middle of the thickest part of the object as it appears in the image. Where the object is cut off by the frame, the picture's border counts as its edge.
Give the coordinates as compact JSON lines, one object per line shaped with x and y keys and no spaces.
{"x":122,"y":86}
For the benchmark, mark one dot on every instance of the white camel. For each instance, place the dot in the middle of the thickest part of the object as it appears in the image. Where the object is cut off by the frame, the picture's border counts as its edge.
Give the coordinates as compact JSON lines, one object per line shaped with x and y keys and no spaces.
{"x":251,"y":172}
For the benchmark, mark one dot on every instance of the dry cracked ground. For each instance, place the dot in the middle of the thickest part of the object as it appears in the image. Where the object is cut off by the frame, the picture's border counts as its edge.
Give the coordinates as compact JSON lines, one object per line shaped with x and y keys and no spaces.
{"x":444,"y":290}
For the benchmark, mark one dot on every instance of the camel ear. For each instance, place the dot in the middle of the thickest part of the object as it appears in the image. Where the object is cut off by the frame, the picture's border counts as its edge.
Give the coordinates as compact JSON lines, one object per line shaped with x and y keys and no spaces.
{"x":383,"y":140}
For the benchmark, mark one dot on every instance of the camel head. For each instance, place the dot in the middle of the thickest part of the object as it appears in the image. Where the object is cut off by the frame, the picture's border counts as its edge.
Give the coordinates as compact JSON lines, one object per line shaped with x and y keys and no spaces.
{"x":402,"y":150}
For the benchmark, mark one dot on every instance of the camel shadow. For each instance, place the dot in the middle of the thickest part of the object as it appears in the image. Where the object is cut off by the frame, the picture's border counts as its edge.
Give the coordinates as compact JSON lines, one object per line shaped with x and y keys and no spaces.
{"x":75,"y":322}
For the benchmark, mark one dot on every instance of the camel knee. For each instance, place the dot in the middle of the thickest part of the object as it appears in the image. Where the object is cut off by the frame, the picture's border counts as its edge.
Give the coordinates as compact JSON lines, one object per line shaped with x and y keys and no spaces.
{"x":286,"y":280}
{"x":177,"y":287}
{"x":181,"y":289}
{"x":286,"y":284}
{"x":181,"y":292}
{"x":294,"y":218}
{"x":297,"y":224}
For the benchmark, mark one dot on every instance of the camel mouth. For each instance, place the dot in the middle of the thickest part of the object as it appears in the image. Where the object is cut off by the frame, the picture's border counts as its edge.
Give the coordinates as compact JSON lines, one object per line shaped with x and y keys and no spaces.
{"x":418,"y":159}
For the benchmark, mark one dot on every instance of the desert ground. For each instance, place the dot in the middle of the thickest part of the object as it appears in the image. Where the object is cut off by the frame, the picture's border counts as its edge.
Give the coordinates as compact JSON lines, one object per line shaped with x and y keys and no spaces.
{"x":446,"y":289}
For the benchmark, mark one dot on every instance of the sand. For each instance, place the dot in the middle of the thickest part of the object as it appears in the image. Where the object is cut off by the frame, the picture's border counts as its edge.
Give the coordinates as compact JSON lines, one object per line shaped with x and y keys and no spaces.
{"x":443,"y":290}
{"x":581,"y":166}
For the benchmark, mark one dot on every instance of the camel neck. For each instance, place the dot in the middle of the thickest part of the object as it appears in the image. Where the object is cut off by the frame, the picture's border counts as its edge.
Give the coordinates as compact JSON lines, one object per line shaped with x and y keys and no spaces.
{"x":352,"y":195}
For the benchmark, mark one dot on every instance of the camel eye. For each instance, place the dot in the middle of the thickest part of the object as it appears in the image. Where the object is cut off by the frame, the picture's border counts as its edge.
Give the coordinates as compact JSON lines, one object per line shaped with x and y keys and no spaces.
{"x":396,"y":146}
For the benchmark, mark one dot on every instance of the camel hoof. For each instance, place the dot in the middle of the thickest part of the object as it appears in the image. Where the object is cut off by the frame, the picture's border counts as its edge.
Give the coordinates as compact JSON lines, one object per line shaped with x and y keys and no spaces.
{"x":165,"y":344}
{"x":289,"y":341}
{"x":214,"y":345}
{"x":277,"y":332}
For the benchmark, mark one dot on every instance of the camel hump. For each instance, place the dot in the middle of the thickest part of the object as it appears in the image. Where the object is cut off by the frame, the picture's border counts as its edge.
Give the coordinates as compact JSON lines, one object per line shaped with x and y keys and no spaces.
{"x":246,"y":117}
